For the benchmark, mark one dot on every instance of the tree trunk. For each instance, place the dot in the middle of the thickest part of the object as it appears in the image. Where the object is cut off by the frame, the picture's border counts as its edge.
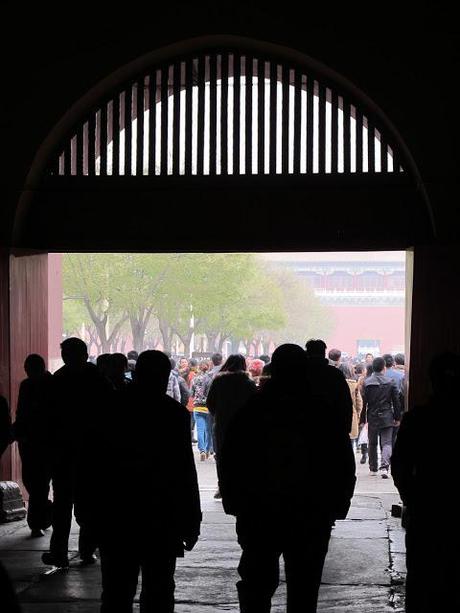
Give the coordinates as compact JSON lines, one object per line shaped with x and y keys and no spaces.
{"x":166,"y":334}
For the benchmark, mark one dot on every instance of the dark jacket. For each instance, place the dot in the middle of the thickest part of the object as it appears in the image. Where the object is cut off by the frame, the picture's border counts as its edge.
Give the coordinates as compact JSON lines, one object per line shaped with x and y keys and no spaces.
{"x":285,"y":477}
{"x":148,"y":477}
{"x":200,"y":389}
{"x":381,"y":404}
{"x":330,"y":395}
{"x":79,"y":401}
{"x":33,"y":414}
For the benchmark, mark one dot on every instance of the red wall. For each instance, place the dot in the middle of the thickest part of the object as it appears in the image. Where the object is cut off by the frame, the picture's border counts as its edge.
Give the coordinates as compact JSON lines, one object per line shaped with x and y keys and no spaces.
{"x":28,"y":324}
{"x":363,"y":322}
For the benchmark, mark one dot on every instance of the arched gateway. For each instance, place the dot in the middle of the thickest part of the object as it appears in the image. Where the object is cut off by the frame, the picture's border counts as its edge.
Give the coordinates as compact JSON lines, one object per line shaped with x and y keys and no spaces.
{"x":269,"y":149}
{"x":256,"y":127}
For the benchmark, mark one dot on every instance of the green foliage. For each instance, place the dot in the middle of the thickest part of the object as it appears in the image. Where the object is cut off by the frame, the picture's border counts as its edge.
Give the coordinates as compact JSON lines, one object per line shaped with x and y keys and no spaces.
{"x":224,"y":295}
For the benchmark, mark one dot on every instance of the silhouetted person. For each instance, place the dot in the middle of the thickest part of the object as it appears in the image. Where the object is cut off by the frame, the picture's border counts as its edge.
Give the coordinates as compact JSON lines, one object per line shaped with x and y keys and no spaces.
{"x":283,"y":502}
{"x":32,"y":431}
{"x":79,"y":397}
{"x":230,"y":390}
{"x":117,"y":368}
{"x":328,"y":387}
{"x":5,"y":425}
{"x":148,"y":486}
{"x":382,"y":409}
{"x":427,"y":483}
{"x":103,"y":364}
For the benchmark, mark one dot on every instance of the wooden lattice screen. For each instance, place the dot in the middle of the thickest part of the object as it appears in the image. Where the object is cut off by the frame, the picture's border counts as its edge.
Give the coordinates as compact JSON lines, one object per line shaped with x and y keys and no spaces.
{"x":227,"y":113}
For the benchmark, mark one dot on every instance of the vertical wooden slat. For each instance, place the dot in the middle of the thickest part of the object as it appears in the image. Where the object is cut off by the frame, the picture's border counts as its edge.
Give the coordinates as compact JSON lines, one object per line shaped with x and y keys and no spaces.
{"x":97,"y":139}
{"x":285,"y":121}
{"x":383,"y":154}
{"x":334,"y":132}
{"x":396,"y":161}
{"x":212,"y":113}
{"x":310,"y":95}
{"x":297,"y":118}
{"x":322,"y":129}
{"x":224,"y":114}
{"x":273,"y":114}
{"x":200,"y":128}
{"x":103,"y":141}
{"x":236,"y":112}
{"x":68,"y":158}
{"x":248,"y":113}
{"x":346,"y":138}
{"x":116,"y":135}
{"x":176,"y":121}
{"x":260,"y":116}
{"x":152,"y":121}
{"x":92,"y":144}
{"x":370,"y":146}
{"x":164,"y":120}
{"x":128,"y":115}
{"x":359,"y":141}
{"x":140,"y":128}
{"x":188,"y":115}
{"x":79,"y":152}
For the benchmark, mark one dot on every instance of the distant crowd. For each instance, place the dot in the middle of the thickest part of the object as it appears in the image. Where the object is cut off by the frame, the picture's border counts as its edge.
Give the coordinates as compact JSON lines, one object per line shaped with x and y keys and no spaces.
{"x":114,"y":440}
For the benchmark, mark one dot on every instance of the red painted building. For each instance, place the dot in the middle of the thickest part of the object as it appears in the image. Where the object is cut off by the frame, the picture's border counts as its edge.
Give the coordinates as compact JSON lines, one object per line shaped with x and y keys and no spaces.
{"x":365,"y":293}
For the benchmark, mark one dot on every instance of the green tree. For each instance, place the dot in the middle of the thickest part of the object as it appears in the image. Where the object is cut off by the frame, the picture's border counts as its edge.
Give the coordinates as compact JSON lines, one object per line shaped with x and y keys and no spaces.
{"x":98,"y":281}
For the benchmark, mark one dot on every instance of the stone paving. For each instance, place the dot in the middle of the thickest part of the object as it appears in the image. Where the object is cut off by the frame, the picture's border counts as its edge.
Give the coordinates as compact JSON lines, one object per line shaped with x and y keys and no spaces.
{"x":364,"y":571}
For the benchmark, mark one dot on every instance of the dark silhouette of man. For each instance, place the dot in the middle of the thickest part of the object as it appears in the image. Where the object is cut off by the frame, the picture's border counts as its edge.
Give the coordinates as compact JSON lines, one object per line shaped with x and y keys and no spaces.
{"x":79,"y":397}
{"x":427,"y":485}
{"x":32,"y":431}
{"x":148,"y":485}
{"x":283,"y":503}
{"x":328,"y":387}
{"x":382,"y":409}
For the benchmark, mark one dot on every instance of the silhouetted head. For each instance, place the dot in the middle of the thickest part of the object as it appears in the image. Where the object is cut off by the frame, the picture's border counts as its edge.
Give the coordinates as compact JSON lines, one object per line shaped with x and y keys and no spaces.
{"x":118,"y":365}
{"x":334,"y":355}
{"x":265,"y":358}
{"x":35,"y":366}
{"x":378,"y":365}
{"x":399,"y":359}
{"x":369,"y":370}
{"x":103,"y":364}
{"x":287,"y":360}
{"x":173,"y":363}
{"x":389,"y":360}
{"x":152,"y":370}
{"x":445,"y":375}
{"x":346,"y":369}
{"x":74,"y":352}
{"x":132,"y":355}
{"x":256,"y":367}
{"x":234,"y":363}
{"x":193,"y":363}
{"x":315,"y":348}
{"x":216,"y":359}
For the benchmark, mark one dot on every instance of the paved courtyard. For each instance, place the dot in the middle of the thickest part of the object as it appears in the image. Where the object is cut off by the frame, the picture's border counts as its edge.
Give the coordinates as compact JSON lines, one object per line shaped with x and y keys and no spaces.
{"x":364,"y":570}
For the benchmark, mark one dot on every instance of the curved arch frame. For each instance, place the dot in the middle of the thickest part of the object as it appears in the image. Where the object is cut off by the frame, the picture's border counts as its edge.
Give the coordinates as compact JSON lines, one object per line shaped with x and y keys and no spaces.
{"x":119,"y":77}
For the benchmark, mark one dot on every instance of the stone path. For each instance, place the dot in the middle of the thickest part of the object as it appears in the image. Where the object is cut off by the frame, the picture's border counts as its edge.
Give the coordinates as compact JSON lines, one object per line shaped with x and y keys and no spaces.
{"x":364,"y":571}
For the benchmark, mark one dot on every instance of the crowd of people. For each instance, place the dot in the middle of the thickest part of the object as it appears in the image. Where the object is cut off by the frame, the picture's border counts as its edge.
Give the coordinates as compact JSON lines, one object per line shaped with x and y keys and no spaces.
{"x":119,"y":433}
